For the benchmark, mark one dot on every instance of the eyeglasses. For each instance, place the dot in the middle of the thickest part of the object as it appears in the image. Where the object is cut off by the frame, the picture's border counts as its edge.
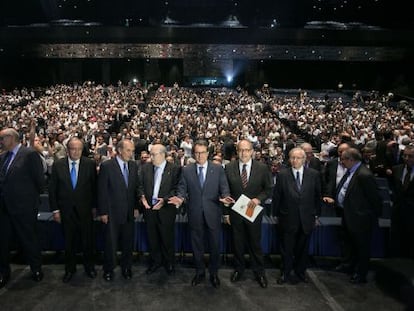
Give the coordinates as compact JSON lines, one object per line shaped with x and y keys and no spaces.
{"x":200,"y":153}
{"x":244,"y":150}
{"x":296,"y":158}
{"x":153,"y":154}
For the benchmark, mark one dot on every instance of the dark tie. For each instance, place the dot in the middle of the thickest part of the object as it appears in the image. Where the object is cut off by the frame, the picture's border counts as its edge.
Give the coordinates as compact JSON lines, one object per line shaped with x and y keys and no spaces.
{"x":201,"y":176}
{"x":298,"y":180}
{"x":341,"y":184}
{"x":407,"y":177}
{"x":125,"y":173}
{"x":6,"y":163}
{"x":73,"y":174}
{"x":244,"y":176}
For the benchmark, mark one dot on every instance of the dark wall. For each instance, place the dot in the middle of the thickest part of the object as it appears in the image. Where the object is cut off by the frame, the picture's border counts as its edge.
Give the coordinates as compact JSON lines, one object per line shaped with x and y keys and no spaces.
{"x":383,"y":76}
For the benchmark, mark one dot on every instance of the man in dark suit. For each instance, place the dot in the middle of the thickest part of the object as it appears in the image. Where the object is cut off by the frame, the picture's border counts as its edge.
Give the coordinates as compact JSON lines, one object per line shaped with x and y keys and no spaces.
{"x":158,"y":182}
{"x":204,"y":185}
{"x":311,"y":161}
{"x":402,"y":221}
{"x":297,"y":202}
{"x":72,"y":198}
{"x":118,"y":207}
{"x":256,"y":184}
{"x":358,"y":196}
{"x":21,"y":182}
{"x":334,"y":171}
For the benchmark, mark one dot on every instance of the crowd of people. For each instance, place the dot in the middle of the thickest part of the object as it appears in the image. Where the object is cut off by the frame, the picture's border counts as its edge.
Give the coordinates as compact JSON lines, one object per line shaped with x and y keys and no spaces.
{"x":256,"y":141}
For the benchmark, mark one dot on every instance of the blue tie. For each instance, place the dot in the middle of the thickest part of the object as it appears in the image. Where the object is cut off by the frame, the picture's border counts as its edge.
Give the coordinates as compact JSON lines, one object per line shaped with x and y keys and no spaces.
{"x":201,"y":176}
{"x":73,"y":174}
{"x":157,"y":183}
{"x":125,"y":173}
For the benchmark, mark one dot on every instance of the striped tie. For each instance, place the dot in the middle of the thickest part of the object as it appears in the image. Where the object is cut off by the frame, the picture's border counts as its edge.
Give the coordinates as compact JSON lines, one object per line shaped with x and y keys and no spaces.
{"x":244,"y":176}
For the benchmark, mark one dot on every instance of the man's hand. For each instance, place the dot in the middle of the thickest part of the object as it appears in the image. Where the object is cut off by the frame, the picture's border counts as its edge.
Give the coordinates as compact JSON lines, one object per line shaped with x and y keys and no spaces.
{"x":253,"y":203}
{"x":226,"y":219}
{"x":104,"y":219}
{"x":159,"y":204}
{"x":145,"y":203}
{"x":177,"y":201}
{"x":328,"y":200}
{"x":227,"y":200}
{"x":56,"y":217}
{"x":136,"y":213}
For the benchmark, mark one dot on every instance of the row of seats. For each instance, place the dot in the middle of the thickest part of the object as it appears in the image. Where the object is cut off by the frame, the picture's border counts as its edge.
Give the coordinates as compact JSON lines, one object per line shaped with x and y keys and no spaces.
{"x":324,"y":240}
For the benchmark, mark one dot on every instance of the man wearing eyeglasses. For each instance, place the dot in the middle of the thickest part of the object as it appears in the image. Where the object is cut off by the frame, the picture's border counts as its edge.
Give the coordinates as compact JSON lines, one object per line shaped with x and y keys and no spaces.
{"x":204,"y":185}
{"x":157,"y":183}
{"x":21,"y":182}
{"x":251,"y":178}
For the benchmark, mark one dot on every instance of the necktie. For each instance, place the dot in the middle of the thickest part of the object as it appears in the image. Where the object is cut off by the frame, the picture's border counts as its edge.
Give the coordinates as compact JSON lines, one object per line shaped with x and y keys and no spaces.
{"x":244,"y":176}
{"x":298,"y":180}
{"x":157,"y":183}
{"x":6,"y":163}
{"x":340,"y":198}
{"x":407,"y":177}
{"x":125,"y":173}
{"x":201,"y":176}
{"x":73,"y":174}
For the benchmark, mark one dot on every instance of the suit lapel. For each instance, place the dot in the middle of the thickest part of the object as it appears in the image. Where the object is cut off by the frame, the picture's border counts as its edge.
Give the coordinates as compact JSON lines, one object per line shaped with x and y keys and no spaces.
{"x":66,"y":173}
{"x":165,"y":175}
{"x":15,"y":160}
{"x":352,"y":181}
{"x":236,"y":172}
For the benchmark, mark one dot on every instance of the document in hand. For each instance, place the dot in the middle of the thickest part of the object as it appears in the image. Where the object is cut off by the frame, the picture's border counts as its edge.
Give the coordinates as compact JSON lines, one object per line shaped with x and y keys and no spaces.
{"x":241,"y":207}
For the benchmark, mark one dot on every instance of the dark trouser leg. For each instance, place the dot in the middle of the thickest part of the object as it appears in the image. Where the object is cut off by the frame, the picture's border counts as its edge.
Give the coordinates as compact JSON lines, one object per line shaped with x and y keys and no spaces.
{"x":5,"y":236}
{"x":254,"y":232}
{"x":197,"y":243}
{"x":127,"y":238}
{"x":25,"y":227}
{"x":239,"y":237}
{"x":111,"y":246}
{"x":214,"y":243}
{"x":301,"y":251}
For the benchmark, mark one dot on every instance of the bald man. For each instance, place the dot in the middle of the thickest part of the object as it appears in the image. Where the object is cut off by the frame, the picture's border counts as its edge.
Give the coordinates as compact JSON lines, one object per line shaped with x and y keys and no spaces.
{"x":158,"y":182}
{"x":21,"y":182}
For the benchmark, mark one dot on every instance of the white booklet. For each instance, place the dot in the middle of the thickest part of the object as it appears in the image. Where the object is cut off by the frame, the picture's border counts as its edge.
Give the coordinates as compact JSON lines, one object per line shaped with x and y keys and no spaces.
{"x":241,"y":207}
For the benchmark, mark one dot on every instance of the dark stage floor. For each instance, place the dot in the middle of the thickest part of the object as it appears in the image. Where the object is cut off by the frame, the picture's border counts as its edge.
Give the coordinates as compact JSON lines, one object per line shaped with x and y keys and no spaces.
{"x":327,"y":290}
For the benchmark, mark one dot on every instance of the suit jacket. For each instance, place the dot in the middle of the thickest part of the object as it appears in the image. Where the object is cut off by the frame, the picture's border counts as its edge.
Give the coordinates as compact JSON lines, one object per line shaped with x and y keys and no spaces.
{"x":63,"y":197}
{"x":329,"y":178}
{"x":23,"y":182}
{"x":403,"y":199}
{"x":362,"y":202}
{"x":259,"y":184}
{"x":168,"y":186}
{"x":115,"y":199}
{"x":315,"y":163}
{"x":296,"y":207}
{"x":204,"y":201}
